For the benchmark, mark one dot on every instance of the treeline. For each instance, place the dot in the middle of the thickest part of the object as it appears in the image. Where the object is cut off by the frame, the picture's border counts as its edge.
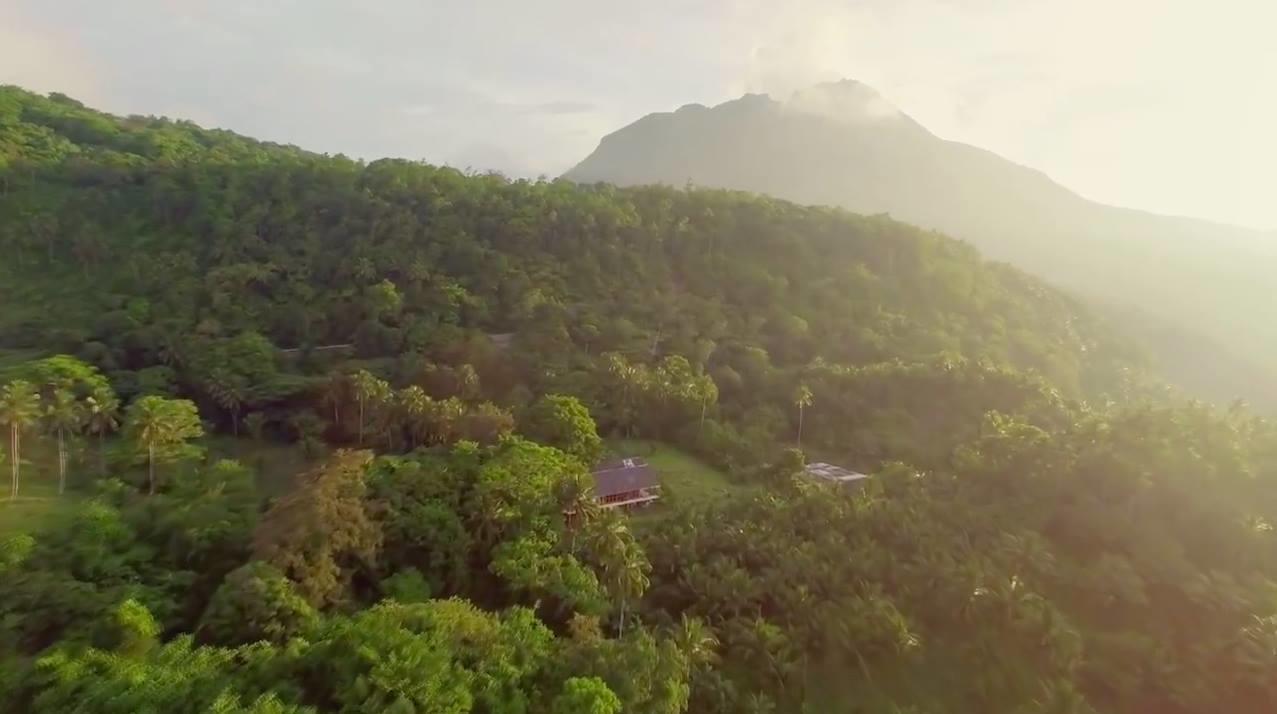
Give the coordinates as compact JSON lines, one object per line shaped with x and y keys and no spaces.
{"x":179,"y":260}
{"x":1114,"y":563}
{"x":447,"y":348}
{"x":357,"y":590}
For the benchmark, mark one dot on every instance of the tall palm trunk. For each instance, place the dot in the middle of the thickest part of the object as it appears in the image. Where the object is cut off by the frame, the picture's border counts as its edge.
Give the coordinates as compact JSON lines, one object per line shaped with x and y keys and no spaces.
{"x":13,"y":467}
{"x":150,"y":466}
{"x":361,"y":421}
{"x":62,"y":463}
{"x":621,"y":629}
{"x":800,"y":426}
{"x":102,"y":452}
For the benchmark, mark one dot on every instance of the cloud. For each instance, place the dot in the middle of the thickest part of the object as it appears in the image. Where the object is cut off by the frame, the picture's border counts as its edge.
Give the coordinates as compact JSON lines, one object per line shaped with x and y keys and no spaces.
{"x":1158,"y":104}
{"x":561,"y":107}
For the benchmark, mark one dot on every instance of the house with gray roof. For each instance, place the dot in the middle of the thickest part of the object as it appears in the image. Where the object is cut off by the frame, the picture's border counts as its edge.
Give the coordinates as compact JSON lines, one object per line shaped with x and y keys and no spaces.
{"x":625,"y":483}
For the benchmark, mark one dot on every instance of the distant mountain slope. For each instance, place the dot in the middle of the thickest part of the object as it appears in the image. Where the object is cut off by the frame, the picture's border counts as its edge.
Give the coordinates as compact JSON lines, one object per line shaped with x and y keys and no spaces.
{"x":842,"y":144}
{"x":146,"y":237}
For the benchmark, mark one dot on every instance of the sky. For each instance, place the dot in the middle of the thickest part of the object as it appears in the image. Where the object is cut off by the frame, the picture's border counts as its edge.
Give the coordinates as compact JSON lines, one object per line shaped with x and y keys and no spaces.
{"x":1164,"y":105}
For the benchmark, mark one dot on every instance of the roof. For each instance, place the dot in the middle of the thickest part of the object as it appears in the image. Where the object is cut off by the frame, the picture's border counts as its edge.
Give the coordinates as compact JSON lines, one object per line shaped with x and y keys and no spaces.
{"x":622,"y":476}
{"x":829,"y":472}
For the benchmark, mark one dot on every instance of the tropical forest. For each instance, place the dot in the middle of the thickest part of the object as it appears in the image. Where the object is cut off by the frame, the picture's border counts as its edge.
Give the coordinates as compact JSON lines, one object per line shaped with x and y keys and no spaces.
{"x":292,"y":432}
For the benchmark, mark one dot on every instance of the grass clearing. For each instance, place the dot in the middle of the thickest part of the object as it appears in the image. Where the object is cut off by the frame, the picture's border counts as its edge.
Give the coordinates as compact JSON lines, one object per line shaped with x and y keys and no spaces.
{"x":683,"y":476}
{"x":37,"y":504}
{"x":275,"y":463}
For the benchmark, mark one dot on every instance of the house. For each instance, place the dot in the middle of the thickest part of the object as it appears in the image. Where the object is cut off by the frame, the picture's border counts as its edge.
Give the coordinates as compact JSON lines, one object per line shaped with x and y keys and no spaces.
{"x":502,"y":340}
{"x":624,"y":483}
{"x":833,"y":474}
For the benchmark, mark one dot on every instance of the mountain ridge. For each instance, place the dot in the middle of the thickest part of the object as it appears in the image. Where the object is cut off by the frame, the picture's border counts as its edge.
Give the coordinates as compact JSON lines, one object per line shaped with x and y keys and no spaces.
{"x":866,"y":158}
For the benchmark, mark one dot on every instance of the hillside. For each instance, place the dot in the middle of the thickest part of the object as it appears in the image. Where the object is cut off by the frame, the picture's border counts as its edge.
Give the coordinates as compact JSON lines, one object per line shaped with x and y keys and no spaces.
{"x":415,"y":368}
{"x":844,"y":145}
{"x":156,"y":243}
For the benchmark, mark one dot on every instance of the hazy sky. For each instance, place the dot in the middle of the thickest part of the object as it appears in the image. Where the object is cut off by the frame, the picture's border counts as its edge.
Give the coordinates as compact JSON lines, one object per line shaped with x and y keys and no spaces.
{"x":1167,"y":105}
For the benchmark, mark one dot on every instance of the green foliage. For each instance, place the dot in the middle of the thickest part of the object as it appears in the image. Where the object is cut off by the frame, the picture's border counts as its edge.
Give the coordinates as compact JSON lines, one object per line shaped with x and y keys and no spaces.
{"x":564,"y":423}
{"x":161,"y":429}
{"x":320,"y":534}
{"x":586,"y":695}
{"x":1025,"y":544}
{"x":255,"y":603}
{"x":406,"y":586}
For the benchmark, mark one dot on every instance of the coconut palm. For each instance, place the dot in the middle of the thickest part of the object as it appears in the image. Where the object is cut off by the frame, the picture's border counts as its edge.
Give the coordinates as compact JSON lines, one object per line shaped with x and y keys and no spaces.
{"x":579,"y":506}
{"x":707,"y":392}
{"x":255,"y":423}
{"x":63,"y":415}
{"x":802,"y":400}
{"x":625,"y":566}
{"x":336,"y":391}
{"x":19,"y":409}
{"x":696,"y":641}
{"x":368,"y":390}
{"x":157,"y":425}
{"x":101,"y":415}
{"x":230,"y":392}
{"x":415,"y":407}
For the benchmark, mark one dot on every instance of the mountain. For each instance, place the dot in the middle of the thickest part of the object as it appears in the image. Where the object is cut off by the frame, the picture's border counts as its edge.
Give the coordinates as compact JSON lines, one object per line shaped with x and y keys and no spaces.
{"x":1199,"y":291}
{"x":379,"y":341}
{"x":164,"y":250}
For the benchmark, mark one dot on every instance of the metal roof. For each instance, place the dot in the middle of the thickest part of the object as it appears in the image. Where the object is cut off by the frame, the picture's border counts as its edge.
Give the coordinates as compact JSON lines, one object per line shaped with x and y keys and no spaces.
{"x":622,"y":476}
{"x":829,"y":472}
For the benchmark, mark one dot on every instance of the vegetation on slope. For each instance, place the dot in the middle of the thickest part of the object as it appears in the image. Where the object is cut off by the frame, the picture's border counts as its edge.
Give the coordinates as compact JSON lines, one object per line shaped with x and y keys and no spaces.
{"x":443,"y":351}
{"x":1190,"y":287}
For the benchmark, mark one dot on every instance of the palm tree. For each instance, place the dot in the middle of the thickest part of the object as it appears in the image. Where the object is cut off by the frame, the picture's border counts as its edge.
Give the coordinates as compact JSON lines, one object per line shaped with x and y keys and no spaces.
{"x":415,"y":409}
{"x":230,"y":393}
{"x":579,"y":506}
{"x":705,"y":389}
{"x":625,"y":566}
{"x":696,"y":641}
{"x":19,"y":408}
{"x":336,"y":388}
{"x":256,"y":425}
{"x":102,"y":415}
{"x":368,"y":389}
{"x":802,"y":399}
{"x":63,"y":414}
{"x":629,"y":577}
{"x":156,"y":423}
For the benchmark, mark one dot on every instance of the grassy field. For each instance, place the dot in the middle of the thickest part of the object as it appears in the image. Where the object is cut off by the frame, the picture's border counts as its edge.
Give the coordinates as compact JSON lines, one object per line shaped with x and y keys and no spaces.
{"x":683,"y":477}
{"x":38,"y":502}
{"x":275,"y":463}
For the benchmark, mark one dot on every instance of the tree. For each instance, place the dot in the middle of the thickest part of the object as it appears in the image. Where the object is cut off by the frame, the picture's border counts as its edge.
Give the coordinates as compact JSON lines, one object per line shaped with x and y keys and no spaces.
{"x":586,"y":695}
{"x":337,"y":388}
{"x":564,"y":423}
{"x":320,"y":534}
{"x":706,"y":392}
{"x":162,"y":429}
{"x":581,"y":509}
{"x":19,"y":409}
{"x":415,"y":409}
{"x":63,"y":414}
{"x":230,"y":392}
{"x":368,"y":390}
{"x":696,"y":641}
{"x":254,"y":603}
{"x":802,"y":399}
{"x":255,"y":423}
{"x":102,"y":416}
{"x":624,"y":564}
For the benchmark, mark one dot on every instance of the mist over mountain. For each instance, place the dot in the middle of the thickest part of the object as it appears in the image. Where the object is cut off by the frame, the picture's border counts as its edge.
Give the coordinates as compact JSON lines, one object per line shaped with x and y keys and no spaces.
{"x":1197,"y":292}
